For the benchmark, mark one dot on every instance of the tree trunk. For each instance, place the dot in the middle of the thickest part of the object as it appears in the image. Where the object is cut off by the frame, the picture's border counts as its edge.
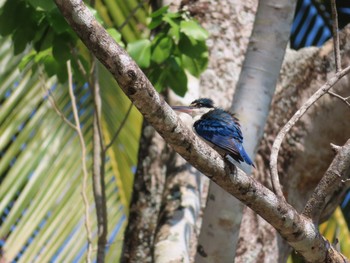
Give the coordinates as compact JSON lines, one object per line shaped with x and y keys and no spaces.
{"x":229,"y":24}
{"x":147,"y":195}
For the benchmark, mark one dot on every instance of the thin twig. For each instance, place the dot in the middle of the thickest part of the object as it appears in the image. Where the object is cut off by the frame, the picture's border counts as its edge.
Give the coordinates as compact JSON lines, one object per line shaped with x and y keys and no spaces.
{"x":339,"y":97}
{"x":80,"y":64}
{"x":335,"y":37}
{"x":83,"y":160}
{"x":335,"y":147}
{"x":278,"y":141}
{"x":120,"y":128}
{"x":53,"y":101}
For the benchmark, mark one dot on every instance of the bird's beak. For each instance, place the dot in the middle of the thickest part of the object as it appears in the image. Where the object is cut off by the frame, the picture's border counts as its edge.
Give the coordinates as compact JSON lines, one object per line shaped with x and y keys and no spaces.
{"x":185,"y":109}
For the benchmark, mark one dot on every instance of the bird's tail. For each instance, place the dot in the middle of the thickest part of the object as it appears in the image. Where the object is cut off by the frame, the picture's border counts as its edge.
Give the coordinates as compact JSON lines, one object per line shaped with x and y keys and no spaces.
{"x":245,"y":156}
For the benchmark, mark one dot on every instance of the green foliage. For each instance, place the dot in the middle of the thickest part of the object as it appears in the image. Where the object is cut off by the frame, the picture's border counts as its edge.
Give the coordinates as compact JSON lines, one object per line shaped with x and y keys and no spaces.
{"x":39,"y":24}
{"x":178,"y":46}
{"x":141,"y":52}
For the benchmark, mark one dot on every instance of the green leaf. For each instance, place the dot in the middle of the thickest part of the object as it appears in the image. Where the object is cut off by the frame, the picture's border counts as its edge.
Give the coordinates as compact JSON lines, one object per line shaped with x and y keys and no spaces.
{"x":157,"y":77}
{"x":193,"y":65}
{"x":160,"y":11}
{"x":194,"y":30}
{"x":162,"y":49}
{"x":140,"y":51}
{"x":192,"y":47}
{"x":157,"y":17}
{"x":116,"y":36}
{"x":155,"y":22}
{"x":43,"y":38}
{"x":42,"y":55}
{"x":177,"y":79}
{"x":26,"y":59}
{"x":174,"y":30}
{"x":57,"y":22}
{"x":9,"y":22}
{"x":172,"y":19}
{"x":42,"y":5}
{"x":60,"y":48}
{"x":19,"y":42}
{"x":52,"y":67}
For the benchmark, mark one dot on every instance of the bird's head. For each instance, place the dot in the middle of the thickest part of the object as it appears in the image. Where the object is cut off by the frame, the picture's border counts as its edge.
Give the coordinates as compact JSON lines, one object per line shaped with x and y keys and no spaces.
{"x":197,"y":108}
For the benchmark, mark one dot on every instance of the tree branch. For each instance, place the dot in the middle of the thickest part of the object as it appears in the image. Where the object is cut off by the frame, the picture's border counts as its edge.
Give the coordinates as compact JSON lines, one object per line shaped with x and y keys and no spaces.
{"x":338,"y":172}
{"x":345,"y":100}
{"x":279,"y":138}
{"x":298,"y":230}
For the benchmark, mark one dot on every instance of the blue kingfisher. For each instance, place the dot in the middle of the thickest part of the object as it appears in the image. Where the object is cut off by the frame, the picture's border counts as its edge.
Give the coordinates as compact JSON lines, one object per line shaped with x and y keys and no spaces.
{"x":217,"y":127}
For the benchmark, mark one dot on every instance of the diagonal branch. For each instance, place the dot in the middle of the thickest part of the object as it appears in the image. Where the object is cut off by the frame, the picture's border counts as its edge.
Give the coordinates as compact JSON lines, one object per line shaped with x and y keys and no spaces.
{"x":298,"y":230}
{"x":338,"y":172}
{"x":345,"y":100}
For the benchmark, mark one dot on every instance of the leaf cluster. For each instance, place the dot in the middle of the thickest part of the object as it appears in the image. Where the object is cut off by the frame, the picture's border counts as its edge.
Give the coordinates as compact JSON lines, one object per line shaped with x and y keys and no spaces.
{"x":177,"y":46}
{"x":38,"y":24}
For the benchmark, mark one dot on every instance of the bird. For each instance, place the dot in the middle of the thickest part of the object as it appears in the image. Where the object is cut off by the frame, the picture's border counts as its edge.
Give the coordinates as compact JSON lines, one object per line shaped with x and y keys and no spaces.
{"x":217,"y":127}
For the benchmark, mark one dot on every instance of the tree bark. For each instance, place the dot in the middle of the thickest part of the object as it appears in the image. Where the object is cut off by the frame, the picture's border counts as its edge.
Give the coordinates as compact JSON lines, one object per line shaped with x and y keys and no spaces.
{"x":147,"y":195}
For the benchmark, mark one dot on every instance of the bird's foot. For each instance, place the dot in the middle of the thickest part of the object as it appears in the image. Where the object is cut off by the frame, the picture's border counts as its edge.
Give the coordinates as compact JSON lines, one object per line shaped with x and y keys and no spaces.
{"x":231,"y":166}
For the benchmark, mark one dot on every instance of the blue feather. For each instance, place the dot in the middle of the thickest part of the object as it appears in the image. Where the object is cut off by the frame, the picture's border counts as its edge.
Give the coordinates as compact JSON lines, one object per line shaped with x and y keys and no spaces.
{"x":222,"y":129}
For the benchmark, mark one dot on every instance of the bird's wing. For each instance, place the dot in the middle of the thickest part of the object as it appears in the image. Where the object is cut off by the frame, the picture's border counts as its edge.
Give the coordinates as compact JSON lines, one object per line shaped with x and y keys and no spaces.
{"x":226,"y":137}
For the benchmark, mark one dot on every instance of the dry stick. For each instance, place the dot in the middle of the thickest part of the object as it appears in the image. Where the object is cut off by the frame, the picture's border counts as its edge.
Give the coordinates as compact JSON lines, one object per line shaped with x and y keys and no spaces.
{"x":83,"y":160}
{"x":336,"y":48}
{"x":335,"y":37}
{"x":53,"y":102}
{"x":80,"y":64}
{"x":82,"y":142}
{"x":99,"y":152}
{"x":278,"y":141}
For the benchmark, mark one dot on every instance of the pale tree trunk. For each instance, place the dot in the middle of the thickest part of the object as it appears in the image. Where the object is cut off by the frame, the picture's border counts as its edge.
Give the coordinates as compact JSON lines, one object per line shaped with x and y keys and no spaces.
{"x":229,"y":24}
{"x":252,"y":100}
